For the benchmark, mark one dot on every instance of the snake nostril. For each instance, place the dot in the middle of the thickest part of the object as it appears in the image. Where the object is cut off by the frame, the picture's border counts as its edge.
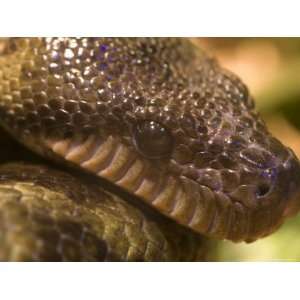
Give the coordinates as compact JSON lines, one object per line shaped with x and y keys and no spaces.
{"x":262,"y":189}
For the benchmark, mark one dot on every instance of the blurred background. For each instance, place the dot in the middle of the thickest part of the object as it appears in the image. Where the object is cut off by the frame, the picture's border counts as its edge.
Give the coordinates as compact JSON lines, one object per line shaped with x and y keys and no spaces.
{"x":271,"y":69}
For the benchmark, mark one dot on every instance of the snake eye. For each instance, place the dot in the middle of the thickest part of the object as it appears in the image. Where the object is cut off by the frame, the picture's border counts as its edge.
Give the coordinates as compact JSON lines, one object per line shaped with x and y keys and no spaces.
{"x":152,"y":139}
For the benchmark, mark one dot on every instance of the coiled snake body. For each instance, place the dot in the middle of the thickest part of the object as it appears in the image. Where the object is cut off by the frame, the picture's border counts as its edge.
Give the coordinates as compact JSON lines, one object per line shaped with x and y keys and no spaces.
{"x":161,"y":149}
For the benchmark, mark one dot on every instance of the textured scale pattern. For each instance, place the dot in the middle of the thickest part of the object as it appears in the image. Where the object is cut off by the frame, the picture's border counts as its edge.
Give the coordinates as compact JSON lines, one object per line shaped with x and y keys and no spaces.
{"x":158,"y":118}
{"x":46,"y":215}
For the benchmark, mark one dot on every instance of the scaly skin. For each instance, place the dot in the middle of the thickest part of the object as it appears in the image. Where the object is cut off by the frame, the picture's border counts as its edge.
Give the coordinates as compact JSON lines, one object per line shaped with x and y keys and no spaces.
{"x":159,"y":119}
{"x":47,"y":215}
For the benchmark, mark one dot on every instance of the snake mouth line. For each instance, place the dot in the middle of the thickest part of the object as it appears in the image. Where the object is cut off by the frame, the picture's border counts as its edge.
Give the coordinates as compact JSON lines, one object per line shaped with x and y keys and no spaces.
{"x":110,"y":159}
{"x":196,"y":206}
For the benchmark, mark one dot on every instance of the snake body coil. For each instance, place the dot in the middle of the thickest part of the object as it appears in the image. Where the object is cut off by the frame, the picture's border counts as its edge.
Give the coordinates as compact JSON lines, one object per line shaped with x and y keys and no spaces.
{"x":155,"y":119}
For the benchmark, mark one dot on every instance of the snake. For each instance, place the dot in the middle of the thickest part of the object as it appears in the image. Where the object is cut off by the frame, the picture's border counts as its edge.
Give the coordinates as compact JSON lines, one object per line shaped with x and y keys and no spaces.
{"x":144,"y":149}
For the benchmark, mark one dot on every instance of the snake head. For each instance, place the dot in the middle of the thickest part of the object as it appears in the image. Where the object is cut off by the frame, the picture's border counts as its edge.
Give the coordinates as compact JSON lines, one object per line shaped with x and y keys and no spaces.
{"x":158,"y":118}
{"x":239,"y":181}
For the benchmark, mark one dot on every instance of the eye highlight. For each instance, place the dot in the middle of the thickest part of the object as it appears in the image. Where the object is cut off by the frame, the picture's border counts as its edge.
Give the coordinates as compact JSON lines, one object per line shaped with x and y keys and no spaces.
{"x":152,"y":139}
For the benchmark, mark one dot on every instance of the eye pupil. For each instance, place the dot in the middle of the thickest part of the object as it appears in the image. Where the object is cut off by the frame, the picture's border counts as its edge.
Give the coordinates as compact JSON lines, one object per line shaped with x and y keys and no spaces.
{"x":152,"y":139}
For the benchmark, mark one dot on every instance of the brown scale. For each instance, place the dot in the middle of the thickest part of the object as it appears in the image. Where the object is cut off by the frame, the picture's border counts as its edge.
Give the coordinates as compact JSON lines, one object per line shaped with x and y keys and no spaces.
{"x":53,"y":91}
{"x":52,"y":221}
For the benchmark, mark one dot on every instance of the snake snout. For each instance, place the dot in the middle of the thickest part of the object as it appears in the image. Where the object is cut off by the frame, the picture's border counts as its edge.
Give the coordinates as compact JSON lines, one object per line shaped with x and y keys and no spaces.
{"x":279,"y":183}
{"x":253,"y":198}
{"x":291,"y":184}
{"x":275,"y":194}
